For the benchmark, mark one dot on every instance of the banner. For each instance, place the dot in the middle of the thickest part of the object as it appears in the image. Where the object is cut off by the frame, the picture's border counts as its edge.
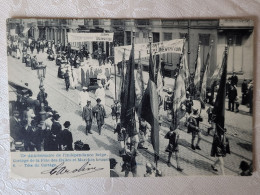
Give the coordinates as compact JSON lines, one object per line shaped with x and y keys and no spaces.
{"x":172,"y":46}
{"x":84,"y":37}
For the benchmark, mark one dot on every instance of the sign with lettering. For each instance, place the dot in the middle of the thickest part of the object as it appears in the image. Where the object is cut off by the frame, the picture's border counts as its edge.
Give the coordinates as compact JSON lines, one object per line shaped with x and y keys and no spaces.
{"x":236,"y":23}
{"x":60,"y":164}
{"x":84,"y":37}
{"x":172,"y":46}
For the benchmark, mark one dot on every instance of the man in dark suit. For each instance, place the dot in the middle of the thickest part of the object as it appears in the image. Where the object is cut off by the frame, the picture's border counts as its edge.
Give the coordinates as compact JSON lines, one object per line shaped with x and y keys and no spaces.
{"x":100,"y":114}
{"x":16,"y":127}
{"x":234,"y":79}
{"x":65,"y":138}
{"x":232,"y":97}
{"x":87,"y":115}
{"x":55,"y":131}
{"x":67,"y":80}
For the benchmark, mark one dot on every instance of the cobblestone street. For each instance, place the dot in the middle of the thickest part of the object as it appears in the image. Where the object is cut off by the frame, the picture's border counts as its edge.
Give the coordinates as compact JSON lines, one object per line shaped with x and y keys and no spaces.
{"x":194,"y":162}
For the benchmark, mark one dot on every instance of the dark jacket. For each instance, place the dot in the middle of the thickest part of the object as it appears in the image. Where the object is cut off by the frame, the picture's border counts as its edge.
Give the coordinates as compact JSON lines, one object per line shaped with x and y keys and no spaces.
{"x":65,"y":139}
{"x":87,"y":113}
{"x":232,"y":93}
{"x":99,"y":112}
{"x":16,"y":130}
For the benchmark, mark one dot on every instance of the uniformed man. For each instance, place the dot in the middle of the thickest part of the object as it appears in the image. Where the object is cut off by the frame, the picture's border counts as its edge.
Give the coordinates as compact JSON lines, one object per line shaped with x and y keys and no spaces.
{"x":189,"y":104}
{"x":100,"y":114}
{"x":67,"y":80}
{"x":121,"y":137}
{"x":168,"y":103}
{"x":42,"y":96}
{"x":87,"y":115}
{"x":129,"y":160}
{"x":143,"y":128}
{"x":173,"y":146}
{"x":193,"y":127}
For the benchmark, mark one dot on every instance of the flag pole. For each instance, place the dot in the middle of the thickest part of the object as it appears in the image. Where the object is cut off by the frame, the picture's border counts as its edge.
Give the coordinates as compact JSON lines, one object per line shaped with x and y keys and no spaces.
{"x":152,"y":68}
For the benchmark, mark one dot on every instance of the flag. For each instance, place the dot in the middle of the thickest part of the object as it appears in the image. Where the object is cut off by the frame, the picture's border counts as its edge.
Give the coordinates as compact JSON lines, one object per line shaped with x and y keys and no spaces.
{"x":179,"y":99}
{"x":197,"y":71}
{"x":139,"y":85}
{"x":122,"y":80}
{"x":205,"y":77}
{"x":159,"y":80}
{"x":150,"y":108}
{"x":204,"y":85}
{"x":184,"y":66}
{"x":219,"y":107}
{"x":128,"y":98}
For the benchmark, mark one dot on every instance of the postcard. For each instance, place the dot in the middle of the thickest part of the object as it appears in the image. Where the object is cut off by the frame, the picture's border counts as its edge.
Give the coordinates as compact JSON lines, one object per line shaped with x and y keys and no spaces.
{"x":130,"y":97}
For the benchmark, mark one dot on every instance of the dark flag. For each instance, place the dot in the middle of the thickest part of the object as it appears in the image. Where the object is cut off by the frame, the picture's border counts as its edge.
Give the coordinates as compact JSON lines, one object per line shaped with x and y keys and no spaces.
{"x":150,"y":108}
{"x":122,"y":81}
{"x":139,"y":86}
{"x":219,"y":107}
{"x":205,"y":76}
{"x":128,"y":98}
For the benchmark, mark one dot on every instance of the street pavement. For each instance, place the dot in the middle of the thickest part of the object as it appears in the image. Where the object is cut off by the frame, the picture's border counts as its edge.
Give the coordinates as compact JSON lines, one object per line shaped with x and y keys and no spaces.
{"x":239,"y":126}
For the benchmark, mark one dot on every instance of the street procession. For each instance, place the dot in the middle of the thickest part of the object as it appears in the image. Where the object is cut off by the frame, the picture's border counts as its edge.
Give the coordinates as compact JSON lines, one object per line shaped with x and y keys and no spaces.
{"x":164,"y":97}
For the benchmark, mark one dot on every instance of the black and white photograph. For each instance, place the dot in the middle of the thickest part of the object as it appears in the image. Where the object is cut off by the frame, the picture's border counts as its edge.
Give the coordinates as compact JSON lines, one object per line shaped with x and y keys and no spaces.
{"x":165,"y":97}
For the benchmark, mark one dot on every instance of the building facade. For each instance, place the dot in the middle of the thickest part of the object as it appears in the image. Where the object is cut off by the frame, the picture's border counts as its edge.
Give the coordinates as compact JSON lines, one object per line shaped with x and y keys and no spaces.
{"x":215,"y":33}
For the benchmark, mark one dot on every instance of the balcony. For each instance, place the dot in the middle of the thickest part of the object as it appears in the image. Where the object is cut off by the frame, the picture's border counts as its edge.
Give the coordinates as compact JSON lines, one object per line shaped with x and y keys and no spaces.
{"x":142,"y":23}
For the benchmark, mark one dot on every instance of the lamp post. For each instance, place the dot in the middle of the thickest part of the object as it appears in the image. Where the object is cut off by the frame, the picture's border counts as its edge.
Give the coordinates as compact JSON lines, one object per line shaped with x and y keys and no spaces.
{"x":41,"y":71}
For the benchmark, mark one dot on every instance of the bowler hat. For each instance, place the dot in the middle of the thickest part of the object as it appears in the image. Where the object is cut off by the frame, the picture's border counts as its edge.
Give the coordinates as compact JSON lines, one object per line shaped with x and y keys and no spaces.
{"x":113,"y":163}
{"x":66,"y":124}
{"x":56,"y":116}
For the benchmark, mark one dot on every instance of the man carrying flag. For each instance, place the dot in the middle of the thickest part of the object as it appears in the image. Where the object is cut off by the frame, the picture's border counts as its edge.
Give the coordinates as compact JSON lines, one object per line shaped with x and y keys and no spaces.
{"x":128,"y":97}
{"x":220,"y":144}
{"x":150,"y":108}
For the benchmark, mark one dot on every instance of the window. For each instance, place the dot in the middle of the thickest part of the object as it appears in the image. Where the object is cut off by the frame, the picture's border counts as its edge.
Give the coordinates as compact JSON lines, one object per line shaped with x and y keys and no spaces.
{"x":204,"y":39}
{"x":145,"y":34}
{"x":128,"y":37}
{"x":167,"y":36}
{"x":137,"y":34}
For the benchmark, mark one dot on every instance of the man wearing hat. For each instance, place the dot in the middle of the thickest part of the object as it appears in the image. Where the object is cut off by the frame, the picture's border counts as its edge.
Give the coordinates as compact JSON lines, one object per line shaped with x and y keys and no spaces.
{"x":55,"y":130}
{"x":193,"y":127}
{"x":100,"y":114}
{"x":129,"y":160}
{"x":87,"y":115}
{"x":83,"y":97}
{"x":67,"y":80}
{"x":173,"y":146}
{"x":42,"y":96}
{"x":16,"y":127}
{"x":47,"y":135}
{"x":113,"y":163}
{"x":168,"y":103}
{"x":65,"y":138}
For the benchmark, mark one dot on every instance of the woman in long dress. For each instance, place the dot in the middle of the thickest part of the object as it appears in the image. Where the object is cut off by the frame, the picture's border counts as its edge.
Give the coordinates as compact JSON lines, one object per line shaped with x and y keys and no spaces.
{"x":71,"y":79}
